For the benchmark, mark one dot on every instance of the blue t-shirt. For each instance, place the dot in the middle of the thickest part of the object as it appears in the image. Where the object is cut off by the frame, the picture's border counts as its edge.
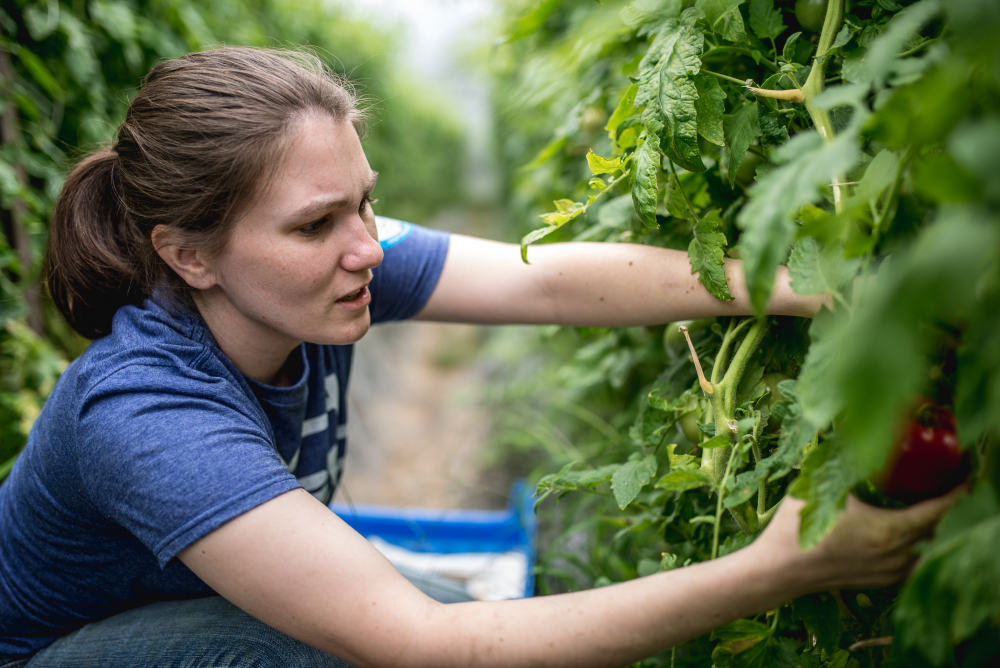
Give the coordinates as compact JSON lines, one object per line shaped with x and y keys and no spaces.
{"x":152,"y":439}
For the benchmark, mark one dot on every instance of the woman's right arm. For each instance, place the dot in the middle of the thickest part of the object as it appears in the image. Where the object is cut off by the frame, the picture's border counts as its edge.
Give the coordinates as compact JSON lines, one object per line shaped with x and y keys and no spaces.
{"x":296,"y":566}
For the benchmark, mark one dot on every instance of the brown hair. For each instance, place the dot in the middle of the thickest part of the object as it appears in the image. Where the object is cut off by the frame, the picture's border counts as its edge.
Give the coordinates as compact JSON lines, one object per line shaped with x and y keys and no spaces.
{"x":199,"y":143}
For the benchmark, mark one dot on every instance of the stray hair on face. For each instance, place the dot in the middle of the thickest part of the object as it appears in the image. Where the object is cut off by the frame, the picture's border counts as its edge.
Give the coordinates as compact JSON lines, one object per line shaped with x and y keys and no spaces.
{"x":200,"y":144}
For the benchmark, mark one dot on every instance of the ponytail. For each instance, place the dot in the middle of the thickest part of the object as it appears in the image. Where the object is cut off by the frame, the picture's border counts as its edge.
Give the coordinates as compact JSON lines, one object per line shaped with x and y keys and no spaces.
{"x":92,"y":249}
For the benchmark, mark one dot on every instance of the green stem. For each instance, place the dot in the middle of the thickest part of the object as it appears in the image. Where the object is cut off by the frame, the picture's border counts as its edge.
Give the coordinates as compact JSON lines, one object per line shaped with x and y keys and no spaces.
{"x":741,"y":358}
{"x":814,"y":84}
{"x":918,"y":47}
{"x":724,"y":77}
{"x":723,"y":357}
{"x":737,"y":49}
{"x":762,"y":486}
{"x":720,"y":488}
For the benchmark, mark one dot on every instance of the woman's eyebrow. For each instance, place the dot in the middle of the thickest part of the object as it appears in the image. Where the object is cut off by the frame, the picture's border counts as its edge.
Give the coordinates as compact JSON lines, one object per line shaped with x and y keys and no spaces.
{"x":320,"y":205}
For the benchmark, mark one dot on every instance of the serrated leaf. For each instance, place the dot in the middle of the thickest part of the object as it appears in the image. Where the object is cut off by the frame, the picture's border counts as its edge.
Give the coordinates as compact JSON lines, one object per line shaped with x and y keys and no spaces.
{"x":765,"y":20}
{"x":881,"y":58}
{"x":725,"y":18}
{"x":631,"y":477}
{"x":644,"y":180}
{"x":768,"y":219}
{"x":600,"y":165}
{"x":952,"y":594}
{"x":667,"y":88}
{"x":877,"y":380}
{"x":705,"y":253}
{"x":828,"y":474}
{"x":741,"y":128}
{"x":772,"y":132}
{"x":788,"y":51}
{"x":813,"y":271}
{"x":741,"y":629}
{"x":710,"y":108}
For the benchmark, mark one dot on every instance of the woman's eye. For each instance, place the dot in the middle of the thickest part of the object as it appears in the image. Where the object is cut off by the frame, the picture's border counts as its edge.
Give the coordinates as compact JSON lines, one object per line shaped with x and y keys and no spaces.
{"x":314,"y":228}
{"x":364,"y":204}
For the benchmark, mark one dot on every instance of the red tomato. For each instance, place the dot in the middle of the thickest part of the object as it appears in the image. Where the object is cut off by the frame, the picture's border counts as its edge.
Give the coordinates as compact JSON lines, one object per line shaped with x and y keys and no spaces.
{"x":926,"y":459}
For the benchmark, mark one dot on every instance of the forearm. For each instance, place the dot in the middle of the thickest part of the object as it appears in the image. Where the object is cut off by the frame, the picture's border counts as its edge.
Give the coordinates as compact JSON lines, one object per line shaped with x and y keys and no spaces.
{"x":588,"y":284}
{"x":610,"y":626}
{"x":617,"y":285}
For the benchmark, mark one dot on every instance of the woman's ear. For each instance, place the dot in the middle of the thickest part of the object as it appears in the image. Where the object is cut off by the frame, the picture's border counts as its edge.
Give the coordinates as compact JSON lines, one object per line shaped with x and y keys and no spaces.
{"x":192,"y":265}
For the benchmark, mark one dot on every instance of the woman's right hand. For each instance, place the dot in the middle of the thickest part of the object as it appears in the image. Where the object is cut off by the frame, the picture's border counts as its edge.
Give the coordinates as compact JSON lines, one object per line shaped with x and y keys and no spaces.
{"x":868,"y":547}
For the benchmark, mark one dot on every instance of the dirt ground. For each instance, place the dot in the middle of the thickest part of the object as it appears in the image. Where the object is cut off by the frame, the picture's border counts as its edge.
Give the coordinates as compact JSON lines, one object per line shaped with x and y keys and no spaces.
{"x":415,"y":430}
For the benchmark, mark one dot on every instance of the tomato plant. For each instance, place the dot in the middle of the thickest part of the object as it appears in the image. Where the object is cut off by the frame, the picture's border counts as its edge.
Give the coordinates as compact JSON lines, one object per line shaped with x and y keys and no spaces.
{"x":878,"y":183}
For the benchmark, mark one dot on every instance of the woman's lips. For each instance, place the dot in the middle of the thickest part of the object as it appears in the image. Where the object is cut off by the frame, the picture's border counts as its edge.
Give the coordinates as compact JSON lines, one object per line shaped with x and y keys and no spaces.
{"x":356,"y":300}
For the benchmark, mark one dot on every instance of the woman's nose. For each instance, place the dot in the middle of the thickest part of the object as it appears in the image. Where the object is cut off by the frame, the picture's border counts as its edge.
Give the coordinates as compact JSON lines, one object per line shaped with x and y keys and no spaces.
{"x":364,"y":251}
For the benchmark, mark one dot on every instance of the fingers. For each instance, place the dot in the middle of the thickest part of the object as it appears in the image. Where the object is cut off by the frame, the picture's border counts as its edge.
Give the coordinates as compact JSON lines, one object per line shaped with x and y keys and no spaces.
{"x":920,"y":517}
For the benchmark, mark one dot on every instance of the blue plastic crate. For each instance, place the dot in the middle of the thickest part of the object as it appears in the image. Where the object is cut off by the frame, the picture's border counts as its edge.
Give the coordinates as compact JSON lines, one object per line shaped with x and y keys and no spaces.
{"x":432,"y":530}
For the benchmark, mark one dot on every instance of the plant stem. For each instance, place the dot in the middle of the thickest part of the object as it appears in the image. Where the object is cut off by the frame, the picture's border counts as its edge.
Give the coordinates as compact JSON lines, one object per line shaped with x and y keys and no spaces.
{"x":706,"y":386}
{"x":814,"y":84}
{"x":723,"y":357}
{"x":793,"y":95}
{"x":724,"y":77}
{"x":720,"y":489}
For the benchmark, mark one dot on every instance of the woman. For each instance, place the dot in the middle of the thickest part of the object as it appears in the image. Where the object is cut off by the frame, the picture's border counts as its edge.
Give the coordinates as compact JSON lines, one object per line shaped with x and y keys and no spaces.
{"x":224,"y":256}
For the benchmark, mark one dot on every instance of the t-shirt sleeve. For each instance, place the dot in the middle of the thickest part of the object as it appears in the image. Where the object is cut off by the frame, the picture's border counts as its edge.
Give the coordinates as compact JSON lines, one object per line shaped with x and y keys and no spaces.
{"x":173,"y":456}
{"x":412,"y":263}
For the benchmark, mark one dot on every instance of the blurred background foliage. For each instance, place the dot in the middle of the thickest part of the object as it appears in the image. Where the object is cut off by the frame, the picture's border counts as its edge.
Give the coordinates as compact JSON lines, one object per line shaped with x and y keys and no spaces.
{"x":67,"y":72}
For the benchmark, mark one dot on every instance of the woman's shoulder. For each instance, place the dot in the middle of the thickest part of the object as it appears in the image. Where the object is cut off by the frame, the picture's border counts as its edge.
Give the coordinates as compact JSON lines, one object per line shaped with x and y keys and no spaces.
{"x":156,"y":346}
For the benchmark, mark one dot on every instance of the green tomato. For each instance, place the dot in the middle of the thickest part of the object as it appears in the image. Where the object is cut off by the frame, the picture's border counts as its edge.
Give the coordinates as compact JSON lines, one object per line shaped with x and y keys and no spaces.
{"x":689,"y":426}
{"x":810,"y":14}
{"x":674,"y":343}
{"x":748,"y":169}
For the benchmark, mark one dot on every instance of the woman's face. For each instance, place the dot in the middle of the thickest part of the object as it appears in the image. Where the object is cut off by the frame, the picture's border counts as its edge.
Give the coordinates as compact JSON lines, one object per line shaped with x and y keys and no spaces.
{"x":298,"y":264}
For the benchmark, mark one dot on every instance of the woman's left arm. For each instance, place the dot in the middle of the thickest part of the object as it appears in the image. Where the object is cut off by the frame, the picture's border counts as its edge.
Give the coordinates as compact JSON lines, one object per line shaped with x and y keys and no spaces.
{"x":590,"y":285}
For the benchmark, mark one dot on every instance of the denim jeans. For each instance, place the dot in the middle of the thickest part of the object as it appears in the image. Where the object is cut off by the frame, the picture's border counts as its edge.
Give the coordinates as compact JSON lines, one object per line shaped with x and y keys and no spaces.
{"x":201,"y":633}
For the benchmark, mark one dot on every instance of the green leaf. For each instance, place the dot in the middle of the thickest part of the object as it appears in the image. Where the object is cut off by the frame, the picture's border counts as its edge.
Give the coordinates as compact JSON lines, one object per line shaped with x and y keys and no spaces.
{"x":939,"y":275}
{"x":952,"y":594}
{"x":705,"y":252}
{"x":710,"y":108}
{"x":772,"y":132}
{"x":977,"y":397}
{"x":771,"y":653}
{"x":741,"y":128}
{"x":821,"y":616}
{"x":532,"y":20}
{"x":631,"y":477}
{"x":684,"y":473}
{"x":674,"y":199}
{"x":720,"y":441}
{"x":881,"y":59}
{"x":647,"y":16}
{"x":765,"y":20}
{"x":622,"y":111}
{"x":667,"y":88}
{"x":644,"y":183}
{"x":599,"y":165}
{"x":814,"y":271}
{"x":768,"y":219}
{"x":828,"y":473}
{"x":788,"y":51}
{"x":39,"y":72}
{"x":725,"y":18}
